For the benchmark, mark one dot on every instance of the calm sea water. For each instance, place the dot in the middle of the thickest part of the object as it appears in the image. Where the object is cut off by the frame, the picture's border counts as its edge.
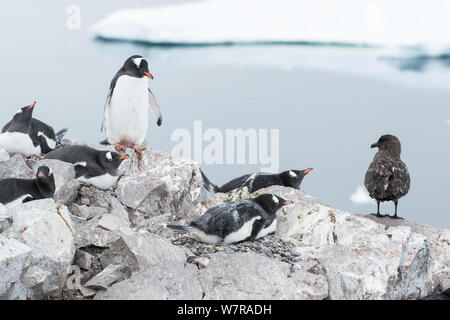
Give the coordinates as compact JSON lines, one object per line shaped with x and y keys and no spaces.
{"x":330,"y":104}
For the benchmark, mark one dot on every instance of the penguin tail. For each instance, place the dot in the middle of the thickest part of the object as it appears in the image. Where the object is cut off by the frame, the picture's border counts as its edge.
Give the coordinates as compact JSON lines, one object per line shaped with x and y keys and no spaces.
{"x":208,"y":184}
{"x":105,"y":142}
{"x":179,"y":228}
{"x":60,"y":134}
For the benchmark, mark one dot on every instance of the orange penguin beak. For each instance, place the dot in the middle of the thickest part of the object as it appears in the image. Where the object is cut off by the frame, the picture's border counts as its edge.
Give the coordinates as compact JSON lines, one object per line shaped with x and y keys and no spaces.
{"x":288,"y":202}
{"x":41,"y":175}
{"x":307,"y":171}
{"x":148,"y":75}
{"x":31,"y":106}
{"x":124,"y":157}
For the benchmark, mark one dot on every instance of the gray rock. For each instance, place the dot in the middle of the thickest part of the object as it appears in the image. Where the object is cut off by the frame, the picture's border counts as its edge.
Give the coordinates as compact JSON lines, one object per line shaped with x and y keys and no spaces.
{"x":4,"y":155}
{"x":361,"y":259}
{"x":16,"y":292}
{"x":253,"y":276}
{"x":16,"y":168}
{"x":83,"y":259}
{"x":149,"y":249}
{"x":86,"y":212}
{"x":115,"y":224}
{"x":14,"y":257}
{"x":68,"y":193}
{"x":47,"y":229}
{"x":88,"y":233}
{"x":165,"y":184}
{"x":119,"y":253}
{"x":91,"y":196}
{"x":438,"y":242}
{"x":168,"y":280}
{"x":106,"y":278}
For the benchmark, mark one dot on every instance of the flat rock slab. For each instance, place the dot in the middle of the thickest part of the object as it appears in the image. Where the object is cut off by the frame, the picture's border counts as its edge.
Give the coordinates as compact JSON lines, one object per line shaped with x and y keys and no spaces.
{"x":106,"y":277}
{"x":253,"y":276}
{"x":168,"y":280}
{"x":14,"y":256}
{"x":16,"y":167}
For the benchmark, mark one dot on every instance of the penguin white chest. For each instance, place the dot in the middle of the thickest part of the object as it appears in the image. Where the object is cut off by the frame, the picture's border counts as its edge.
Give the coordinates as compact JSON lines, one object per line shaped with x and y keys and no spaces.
{"x":127,"y":112}
{"x":18,"y":142}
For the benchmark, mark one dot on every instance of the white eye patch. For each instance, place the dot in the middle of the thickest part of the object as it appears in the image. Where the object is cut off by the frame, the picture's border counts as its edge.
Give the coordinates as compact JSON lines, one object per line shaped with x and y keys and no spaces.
{"x":292,"y":174}
{"x":109,"y":156}
{"x":137,"y":61}
{"x":50,"y":171}
{"x":275,"y":199}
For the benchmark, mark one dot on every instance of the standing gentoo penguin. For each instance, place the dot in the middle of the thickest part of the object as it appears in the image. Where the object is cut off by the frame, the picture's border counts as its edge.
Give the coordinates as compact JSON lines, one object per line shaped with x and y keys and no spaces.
{"x":29,"y":136}
{"x":126,"y":108}
{"x":92,"y":166}
{"x":256,"y":181}
{"x":16,"y":191}
{"x":387,"y":178}
{"x":236,"y":221}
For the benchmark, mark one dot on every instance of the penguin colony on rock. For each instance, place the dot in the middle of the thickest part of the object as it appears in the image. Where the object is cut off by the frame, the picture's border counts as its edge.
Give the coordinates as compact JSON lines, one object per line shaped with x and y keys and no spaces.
{"x":126,"y":120}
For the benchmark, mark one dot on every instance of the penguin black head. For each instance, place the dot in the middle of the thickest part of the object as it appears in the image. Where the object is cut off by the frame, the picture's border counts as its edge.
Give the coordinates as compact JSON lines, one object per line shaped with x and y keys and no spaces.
{"x":293,"y":178}
{"x":389,"y":144}
{"x":46,"y":180}
{"x":137,"y":66}
{"x":24,"y":114}
{"x":271,"y":203}
{"x":111,"y":160}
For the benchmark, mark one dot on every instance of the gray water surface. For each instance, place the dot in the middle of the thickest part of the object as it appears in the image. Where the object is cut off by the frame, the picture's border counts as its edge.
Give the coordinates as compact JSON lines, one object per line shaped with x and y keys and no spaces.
{"x":330,"y":104}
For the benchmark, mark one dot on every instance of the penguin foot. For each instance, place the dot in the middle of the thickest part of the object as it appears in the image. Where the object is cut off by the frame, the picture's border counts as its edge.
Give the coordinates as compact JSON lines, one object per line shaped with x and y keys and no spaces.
{"x":137,"y":149}
{"x":120,"y":147}
{"x":139,"y":158}
{"x":396,"y":217}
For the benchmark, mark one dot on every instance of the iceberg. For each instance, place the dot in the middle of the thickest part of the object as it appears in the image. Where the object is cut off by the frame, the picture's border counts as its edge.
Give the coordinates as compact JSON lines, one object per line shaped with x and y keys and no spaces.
{"x":360,"y":196}
{"x":422,"y":27}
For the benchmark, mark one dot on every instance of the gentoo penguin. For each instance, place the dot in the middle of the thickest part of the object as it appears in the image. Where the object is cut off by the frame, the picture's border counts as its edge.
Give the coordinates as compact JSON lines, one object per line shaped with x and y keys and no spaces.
{"x":29,"y":136}
{"x":16,"y":135}
{"x":387,"y":178}
{"x":127,"y":104}
{"x":236,"y":221}
{"x":16,"y":191}
{"x":260,"y":180}
{"x":92,"y":166}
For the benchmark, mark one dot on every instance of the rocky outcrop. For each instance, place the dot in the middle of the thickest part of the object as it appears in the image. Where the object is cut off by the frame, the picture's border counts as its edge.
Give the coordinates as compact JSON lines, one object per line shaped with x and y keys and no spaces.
{"x":40,"y":242}
{"x":113,"y":244}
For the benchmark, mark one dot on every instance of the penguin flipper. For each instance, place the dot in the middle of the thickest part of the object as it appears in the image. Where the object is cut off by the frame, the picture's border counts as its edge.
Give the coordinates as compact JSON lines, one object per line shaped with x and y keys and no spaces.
{"x":6,"y":126}
{"x":155,"y":107}
{"x":180,"y":228}
{"x":105,"y":109}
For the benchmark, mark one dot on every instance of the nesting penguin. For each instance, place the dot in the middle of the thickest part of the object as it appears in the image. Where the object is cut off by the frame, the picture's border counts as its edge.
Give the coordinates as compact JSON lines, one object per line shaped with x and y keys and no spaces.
{"x":29,"y":136}
{"x":387,"y":178}
{"x":15,"y":191}
{"x":127,"y":104}
{"x":236,"y":221}
{"x":260,"y":180}
{"x":96,"y":167}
